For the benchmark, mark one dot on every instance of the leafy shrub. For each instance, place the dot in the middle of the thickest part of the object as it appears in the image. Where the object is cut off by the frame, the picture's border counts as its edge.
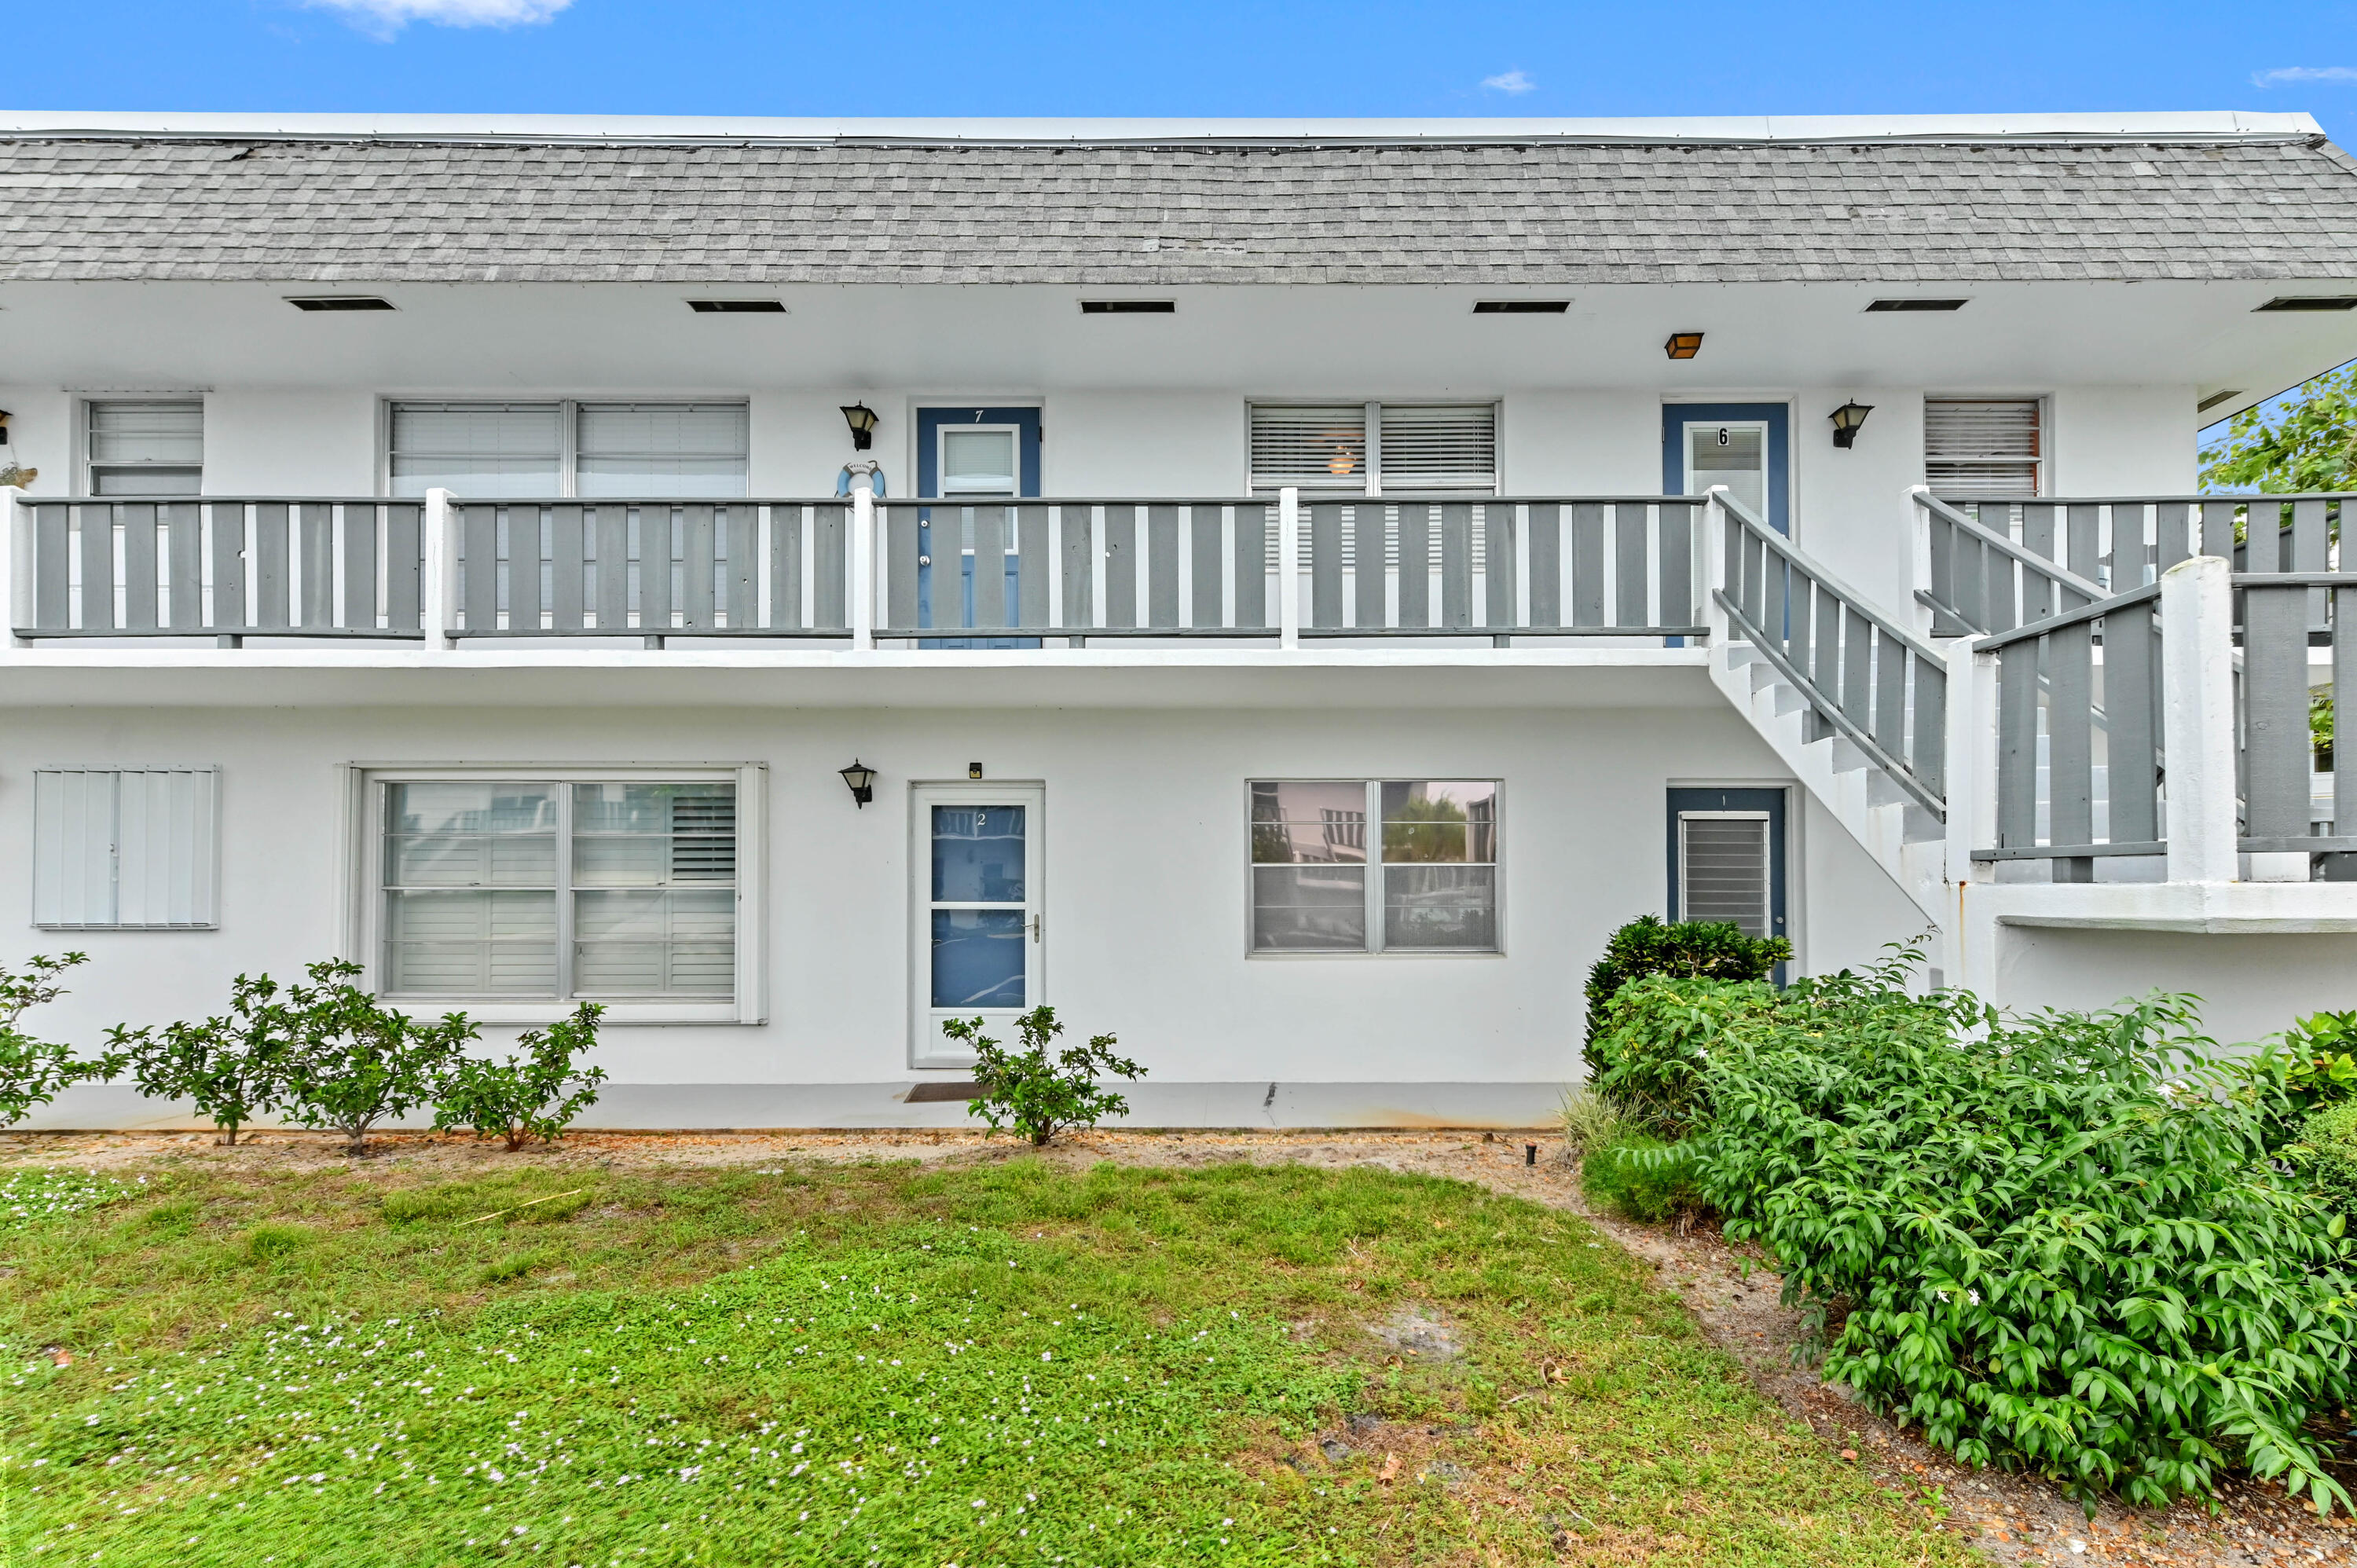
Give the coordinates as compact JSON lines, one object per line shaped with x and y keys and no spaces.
{"x":354,"y":1063}
{"x":2316,"y":1062}
{"x":2055,"y":1239}
{"x":1639,"y":1176}
{"x":231,"y":1068}
{"x":1714,"y":950}
{"x":1588,"y":1120}
{"x":1653,"y":1056}
{"x":1035,"y":1093}
{"x":525,"y":1096}
{"x":32,"y":1071}
{"x":2325,"y":1157}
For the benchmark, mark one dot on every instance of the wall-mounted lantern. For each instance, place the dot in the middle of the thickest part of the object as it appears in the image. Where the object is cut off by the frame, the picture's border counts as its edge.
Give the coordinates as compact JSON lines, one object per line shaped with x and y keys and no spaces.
{"x":1848,"y":419}
{"x":1682,"y":345}
{"x":4,"y":427}
{"x":862,"y":419}
{"x":862,"y":779}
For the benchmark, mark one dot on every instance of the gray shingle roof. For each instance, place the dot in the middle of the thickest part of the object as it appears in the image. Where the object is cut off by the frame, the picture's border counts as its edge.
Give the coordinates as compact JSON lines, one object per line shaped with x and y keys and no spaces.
{"x":1540,"y":214}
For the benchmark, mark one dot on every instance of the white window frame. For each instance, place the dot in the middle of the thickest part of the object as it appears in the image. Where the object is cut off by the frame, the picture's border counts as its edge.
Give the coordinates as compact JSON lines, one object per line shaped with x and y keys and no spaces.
{"x":87,"y":465}
{"x":1373,"y":485}
{"x":365,"y":795}
{"x":2043,"y":463}
{"x":1375,"y":865}
{"x":204,"y":848}
{"x":568,"y":427}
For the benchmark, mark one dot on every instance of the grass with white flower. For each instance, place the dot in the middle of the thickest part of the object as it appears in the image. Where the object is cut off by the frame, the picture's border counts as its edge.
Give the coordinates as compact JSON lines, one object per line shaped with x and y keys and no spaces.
{"x":1003,"y":1363}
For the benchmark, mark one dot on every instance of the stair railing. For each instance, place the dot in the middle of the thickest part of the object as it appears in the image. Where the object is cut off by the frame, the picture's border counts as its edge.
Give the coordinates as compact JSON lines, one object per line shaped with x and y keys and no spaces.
{"x":1979,"y":580}
{"x":1863,"y":677}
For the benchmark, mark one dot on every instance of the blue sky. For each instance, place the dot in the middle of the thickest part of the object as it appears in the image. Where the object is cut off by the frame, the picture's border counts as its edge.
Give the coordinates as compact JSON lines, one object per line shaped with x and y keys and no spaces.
{"x":1206,"y":57}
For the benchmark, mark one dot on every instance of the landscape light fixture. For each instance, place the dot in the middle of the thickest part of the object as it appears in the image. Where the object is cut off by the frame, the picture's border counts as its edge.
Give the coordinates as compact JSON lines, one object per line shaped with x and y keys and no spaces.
{"x":1682,"y":345}
{"x":862,"y":779}
{"x":1847,"y":419}
{"x":862,"y":419}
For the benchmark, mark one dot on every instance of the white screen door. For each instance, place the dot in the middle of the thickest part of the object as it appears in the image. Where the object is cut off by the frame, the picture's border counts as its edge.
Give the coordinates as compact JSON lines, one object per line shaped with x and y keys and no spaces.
{"x":980,"y":931}
{"x":1734,"y":454}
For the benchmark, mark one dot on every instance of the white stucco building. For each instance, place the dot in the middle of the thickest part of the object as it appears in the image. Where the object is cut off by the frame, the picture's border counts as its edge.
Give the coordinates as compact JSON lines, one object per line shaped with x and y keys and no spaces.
{"x":1327,"y":576}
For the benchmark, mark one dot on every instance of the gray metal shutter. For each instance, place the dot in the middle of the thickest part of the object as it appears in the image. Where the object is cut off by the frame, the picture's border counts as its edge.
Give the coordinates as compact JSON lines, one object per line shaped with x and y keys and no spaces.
{"x":1980,"y":446}
{"x":126,"y":849}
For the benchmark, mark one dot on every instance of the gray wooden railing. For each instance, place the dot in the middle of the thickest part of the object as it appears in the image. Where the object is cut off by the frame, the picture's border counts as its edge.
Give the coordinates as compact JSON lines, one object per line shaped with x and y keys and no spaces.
{"x":1995,"y":562}
{"x":2081,"y":755}
{"x":224,"y":566}
{"x":1863,"y":677}
{"x":652,"y":568}
{"x":1400,"y":567}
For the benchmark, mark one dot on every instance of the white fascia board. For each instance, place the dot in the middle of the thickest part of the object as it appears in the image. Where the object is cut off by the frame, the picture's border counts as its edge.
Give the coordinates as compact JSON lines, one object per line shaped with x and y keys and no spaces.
{"x":2193,"y":125}
{"x":2197,"y":909}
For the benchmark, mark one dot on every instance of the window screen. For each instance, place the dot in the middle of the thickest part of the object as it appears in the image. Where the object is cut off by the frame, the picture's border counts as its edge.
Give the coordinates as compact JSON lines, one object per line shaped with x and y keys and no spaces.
{"x":125,"y":849}
{"x":639,"y":450}
{"x":598,"y":890}
{"x":1316,"y":448}
{"x":1430,"y":847}
{"x":145,"y":448}
{"x":1723,"y":869}
{"x":1983,"y":447}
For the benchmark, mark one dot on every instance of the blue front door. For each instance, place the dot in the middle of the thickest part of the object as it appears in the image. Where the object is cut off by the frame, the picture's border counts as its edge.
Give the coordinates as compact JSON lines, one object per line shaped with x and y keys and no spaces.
{"x":981,"y":453}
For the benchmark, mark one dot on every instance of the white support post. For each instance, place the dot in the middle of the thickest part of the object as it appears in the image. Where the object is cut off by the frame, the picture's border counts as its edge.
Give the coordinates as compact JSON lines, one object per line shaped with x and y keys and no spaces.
{"x":861,"y":596}
{"x":1972,"y":760}
{"x":16,"y":567}
{"x":1919,"y":538}
{"x":1712,"y":561}
{"x":438,"y":595}
{"x":1288,"y":569}
{"x":2197,"y":710}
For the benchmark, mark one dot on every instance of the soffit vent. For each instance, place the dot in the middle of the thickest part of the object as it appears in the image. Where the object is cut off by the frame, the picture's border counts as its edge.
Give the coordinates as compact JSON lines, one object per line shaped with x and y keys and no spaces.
{"x":2312,"y":302}
{"x":736,"y":307}
{"x":1913,"y":306}
{"x":338,"y":302}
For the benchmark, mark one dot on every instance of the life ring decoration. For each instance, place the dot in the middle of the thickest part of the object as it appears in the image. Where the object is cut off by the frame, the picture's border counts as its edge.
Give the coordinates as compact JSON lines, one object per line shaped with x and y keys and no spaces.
{"x":875,"y":480}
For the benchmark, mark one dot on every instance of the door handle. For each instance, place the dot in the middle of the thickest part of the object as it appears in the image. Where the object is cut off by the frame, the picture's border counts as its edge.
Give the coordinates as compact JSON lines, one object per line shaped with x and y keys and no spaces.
{"x":1037,"y":920}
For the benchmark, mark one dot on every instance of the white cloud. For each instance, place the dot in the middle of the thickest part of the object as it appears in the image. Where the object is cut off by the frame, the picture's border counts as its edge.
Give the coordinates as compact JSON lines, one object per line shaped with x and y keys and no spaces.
{"x":2303,"y":73}
{"x":383,"y":18}
{"x":1509,"y":82}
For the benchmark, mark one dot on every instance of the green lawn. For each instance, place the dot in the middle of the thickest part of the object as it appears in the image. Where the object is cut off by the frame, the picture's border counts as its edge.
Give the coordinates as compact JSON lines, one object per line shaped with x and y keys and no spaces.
{"x":998,"y":1362}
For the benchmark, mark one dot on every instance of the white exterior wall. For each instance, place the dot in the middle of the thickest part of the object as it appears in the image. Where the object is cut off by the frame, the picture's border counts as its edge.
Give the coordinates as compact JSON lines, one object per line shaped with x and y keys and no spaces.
{"x":2250,"y":986}
{"x":1146,"y":875}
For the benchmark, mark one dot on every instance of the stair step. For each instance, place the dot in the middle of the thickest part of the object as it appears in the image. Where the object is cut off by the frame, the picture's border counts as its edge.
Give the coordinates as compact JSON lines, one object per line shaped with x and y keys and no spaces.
{"x":1920,"y":826}
{"x":1847,"y":757}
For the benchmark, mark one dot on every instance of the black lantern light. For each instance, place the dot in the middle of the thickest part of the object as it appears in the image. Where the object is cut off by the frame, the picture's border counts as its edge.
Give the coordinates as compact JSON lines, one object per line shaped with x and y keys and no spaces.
{"x":1848,"y":420}
{"x":862,"y":419}
{"x":862,"y":779}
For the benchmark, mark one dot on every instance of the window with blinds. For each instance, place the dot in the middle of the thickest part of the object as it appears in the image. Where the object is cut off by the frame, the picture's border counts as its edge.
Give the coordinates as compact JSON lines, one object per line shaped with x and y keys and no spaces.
{"x":1724,"y":872}
{"x":490,"y":450}
{"x":125,"y":849}
{"x":1983,"y":447}
{"x":1375,"y":447}
{"x":144,"y":447}
{"x":604,"y":890}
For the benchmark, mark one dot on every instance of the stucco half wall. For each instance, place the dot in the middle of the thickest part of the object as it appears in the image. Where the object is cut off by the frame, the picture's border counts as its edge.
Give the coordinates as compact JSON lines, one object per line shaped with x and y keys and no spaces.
{"x":2251,"y":985}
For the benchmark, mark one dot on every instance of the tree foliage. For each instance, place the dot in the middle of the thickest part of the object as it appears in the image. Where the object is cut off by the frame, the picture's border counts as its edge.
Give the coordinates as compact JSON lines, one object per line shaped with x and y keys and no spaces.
{"x":2308,"y":443}
{"x":1651,"y":945}
{"x":355,"y":1063}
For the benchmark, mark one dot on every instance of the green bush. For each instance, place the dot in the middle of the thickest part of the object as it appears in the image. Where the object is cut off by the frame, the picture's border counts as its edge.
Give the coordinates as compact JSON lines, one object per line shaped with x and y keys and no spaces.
{"x":1638,"y":1177}
{"x":2316,"y":1062}
{"x":2055,"y":1239}
{"x":354,"y":1063}
{"x":1652,"y":1058}
{"x":1588,"y":1120}
{"x":1714,"y":950}
{"x":231,"y":1068}
{"x":520,"y":1097}
{"x":2325,"y":1157}
{"x":1035,"y":1093}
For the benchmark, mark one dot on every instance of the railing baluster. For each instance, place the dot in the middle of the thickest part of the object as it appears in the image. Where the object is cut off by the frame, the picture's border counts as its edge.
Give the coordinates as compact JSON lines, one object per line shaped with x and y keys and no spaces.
{"x":1415,"y":570}
{"x":2218,"y":528}
{"x":2069,"y":746}
{"x":1891,"y":694}
{"x":568,"y":575}
{"x":1162,"y":568}
{"x":359,"y":538}
{"x":2131,"y":724}
{"x":272,"y":569}
{"x":656,"y":596}
{"x":830,"y":566}
{"x":1677,"y":563}
{"x":1079,"y":545}
{"x":1034,"y":567}
{"x":699,"y":563}
{"x":232,"y":613}
{"x":1456,"y":566}
{"x":1501,"y":595}
{"x":138,"y":566}
{"x":2016,"y":745}
{"x":185,"y":550}
{"x":1546,"y":564}
{"x":1121,"y":566}
{"x":1631,"y":567}
{"x":2275,"y":708}
{"x":1371,"y":571}
{"x":1858,"y":668}
{"x":2344,"y":680}
{"x":316,"y":529}
{"x":1325,"y":562}
{"x":1928,"y":758}
{"x":405,"y":564}
{"x":2037,"y":592}
{"x":740,"y":531}
{"x":52,"y":569}
{"x":1586,"y":564}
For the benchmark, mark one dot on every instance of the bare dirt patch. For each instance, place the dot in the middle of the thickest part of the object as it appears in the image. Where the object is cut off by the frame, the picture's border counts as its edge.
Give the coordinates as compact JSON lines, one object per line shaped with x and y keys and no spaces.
{"x":2014,"y":1519}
